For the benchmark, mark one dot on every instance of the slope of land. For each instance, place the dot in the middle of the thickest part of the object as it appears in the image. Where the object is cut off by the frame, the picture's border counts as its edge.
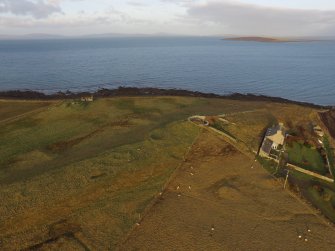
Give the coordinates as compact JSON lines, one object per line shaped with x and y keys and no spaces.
{"x":328,"y":118}
{"x":220,"y":199}
{"x":79,"y":175}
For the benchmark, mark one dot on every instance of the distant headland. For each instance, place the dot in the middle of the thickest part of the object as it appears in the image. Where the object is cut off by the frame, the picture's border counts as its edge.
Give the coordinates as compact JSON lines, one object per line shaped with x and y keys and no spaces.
{"x":267,"y":39}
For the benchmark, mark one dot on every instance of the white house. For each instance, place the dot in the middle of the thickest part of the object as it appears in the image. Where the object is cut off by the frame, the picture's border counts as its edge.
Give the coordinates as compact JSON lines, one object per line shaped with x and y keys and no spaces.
{"x":87,"y":99}
{"x":274,"y":139}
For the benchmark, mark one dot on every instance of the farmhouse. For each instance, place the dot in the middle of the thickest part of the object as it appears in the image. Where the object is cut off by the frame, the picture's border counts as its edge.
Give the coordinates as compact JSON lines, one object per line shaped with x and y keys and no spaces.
{"x":318,"y":131}
{"x":273,"y":140}
{"x":87,"y":99}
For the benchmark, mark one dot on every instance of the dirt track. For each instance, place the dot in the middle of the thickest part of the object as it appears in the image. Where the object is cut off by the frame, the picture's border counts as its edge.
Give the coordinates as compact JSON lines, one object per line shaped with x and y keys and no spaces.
{"x":218,"y":202}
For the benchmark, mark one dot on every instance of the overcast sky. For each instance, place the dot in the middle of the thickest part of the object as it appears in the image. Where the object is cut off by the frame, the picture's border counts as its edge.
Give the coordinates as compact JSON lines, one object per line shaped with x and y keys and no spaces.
{"x":187,"y":17}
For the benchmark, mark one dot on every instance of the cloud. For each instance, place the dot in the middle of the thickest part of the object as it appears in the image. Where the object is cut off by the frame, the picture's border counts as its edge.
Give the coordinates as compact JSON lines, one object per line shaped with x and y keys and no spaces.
{"x":235,"y":17}
{"x":38,"y":8}
{"x":79,"y":23}
{"x":136,"y":4}
{"x":192,"y":17}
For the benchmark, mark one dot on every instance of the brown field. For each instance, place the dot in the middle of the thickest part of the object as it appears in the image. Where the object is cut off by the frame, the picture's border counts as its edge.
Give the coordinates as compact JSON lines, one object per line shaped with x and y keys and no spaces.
{"x":247,"y":208}
{"x":14,"y":108}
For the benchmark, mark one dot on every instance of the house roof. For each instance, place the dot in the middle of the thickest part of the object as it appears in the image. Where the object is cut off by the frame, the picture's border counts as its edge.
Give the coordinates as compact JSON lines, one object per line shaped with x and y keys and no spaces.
{"x":276,"y":134}
{"x":266,"y":146}
{"x":273,"y":130}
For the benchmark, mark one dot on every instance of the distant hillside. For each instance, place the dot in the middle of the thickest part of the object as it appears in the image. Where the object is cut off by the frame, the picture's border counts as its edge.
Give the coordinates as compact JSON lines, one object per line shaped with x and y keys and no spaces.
{"x":87,"y":36}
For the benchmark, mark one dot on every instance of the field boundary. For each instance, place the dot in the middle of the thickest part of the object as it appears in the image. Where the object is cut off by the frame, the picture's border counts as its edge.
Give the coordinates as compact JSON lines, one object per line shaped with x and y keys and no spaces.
{"x":35,"y":111}
{"x":310,"y":173}
{"x":211,"y":128}
{"x":302,"y":170}
{"x":159,"y":195}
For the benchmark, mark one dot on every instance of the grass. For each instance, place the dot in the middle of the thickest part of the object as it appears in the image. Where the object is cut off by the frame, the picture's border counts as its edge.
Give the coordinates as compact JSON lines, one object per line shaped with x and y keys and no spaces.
{"x":99,"y":164}
{"x":271,"y":166}
{"x":115,"y":185}
{"x":320,"y":193}
{"x":330,"y":154}
{"x":72,"y":121}
{"x":324,"y":199}
{"x":124,"y":164}
{"x":219,"y":126}
{"x":306,"y":157}
{"x":248,"y":127}
{"x":14,"y":108}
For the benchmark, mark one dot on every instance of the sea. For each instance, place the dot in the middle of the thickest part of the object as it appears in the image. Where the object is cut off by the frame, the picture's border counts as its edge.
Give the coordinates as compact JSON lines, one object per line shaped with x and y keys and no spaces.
{"x":300,"y":71}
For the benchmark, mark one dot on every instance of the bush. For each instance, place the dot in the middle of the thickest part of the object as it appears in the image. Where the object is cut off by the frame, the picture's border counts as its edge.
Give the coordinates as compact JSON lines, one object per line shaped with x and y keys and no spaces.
{"x":330,"y":153}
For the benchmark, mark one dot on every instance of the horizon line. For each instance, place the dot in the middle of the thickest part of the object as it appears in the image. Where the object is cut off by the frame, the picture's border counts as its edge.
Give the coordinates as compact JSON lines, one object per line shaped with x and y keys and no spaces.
{"x":107,"y":35}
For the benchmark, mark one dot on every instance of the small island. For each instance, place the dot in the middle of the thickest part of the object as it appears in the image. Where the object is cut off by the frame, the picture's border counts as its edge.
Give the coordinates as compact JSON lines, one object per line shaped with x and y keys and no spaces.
{"x":264,"y":39}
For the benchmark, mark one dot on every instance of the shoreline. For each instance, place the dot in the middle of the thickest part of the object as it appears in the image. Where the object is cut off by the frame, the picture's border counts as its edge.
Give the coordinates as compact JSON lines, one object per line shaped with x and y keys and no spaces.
{"x":149,"y":92}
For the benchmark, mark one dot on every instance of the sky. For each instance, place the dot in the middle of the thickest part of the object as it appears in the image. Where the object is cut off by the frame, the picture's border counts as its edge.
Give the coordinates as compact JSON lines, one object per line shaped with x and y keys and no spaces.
{"x":282,"y":18}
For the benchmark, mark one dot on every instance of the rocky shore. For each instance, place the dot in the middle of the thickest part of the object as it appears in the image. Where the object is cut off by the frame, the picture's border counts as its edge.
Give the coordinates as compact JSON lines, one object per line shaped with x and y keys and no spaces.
{"x":134,"y":91}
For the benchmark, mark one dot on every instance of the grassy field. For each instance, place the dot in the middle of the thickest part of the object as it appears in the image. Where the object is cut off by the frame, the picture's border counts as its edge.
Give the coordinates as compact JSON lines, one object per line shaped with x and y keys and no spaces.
{"x":324,"y":199}
{"x":77,"y":175}
{"x":306,"y":157}
{"x":319,"y":193}
{"x":14,"y":108}
{"x":114,"y":186}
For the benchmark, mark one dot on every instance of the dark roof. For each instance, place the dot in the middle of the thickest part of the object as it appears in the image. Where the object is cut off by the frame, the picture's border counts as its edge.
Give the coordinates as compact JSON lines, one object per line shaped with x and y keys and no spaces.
{"x":266,"y":146}
{"x":273,"y":130}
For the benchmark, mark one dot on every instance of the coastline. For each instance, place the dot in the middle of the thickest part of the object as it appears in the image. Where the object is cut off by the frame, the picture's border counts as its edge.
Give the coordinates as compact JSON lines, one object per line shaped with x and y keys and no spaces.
{"x":148,"y":91}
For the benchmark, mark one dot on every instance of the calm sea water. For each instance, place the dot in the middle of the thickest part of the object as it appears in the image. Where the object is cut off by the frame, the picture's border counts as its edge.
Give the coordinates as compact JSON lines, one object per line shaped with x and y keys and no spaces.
{"x":297,"y":71}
